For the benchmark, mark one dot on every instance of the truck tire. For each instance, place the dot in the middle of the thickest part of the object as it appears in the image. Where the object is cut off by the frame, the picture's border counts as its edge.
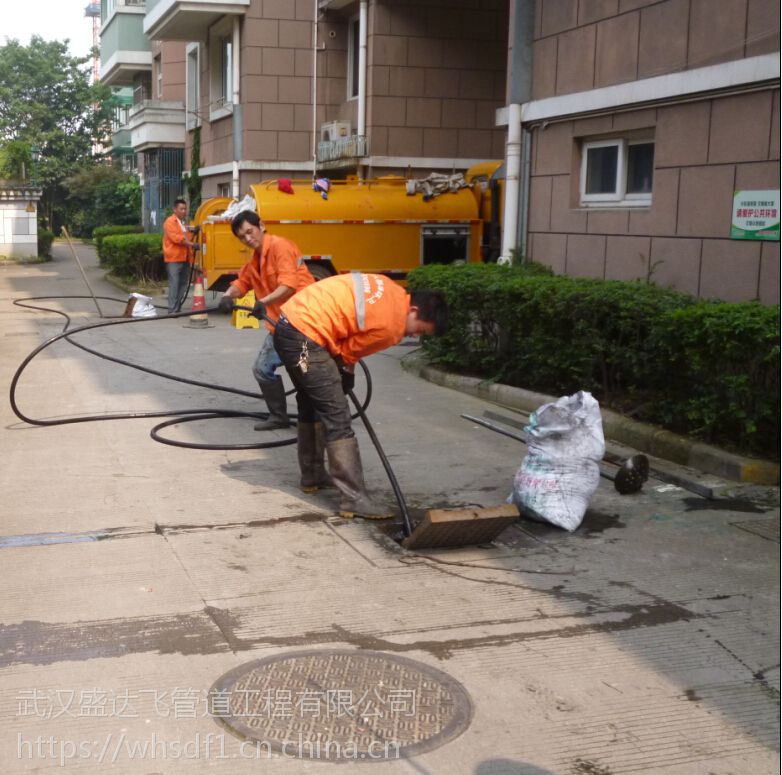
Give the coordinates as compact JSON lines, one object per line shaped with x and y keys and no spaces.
{"x":319,"y":271}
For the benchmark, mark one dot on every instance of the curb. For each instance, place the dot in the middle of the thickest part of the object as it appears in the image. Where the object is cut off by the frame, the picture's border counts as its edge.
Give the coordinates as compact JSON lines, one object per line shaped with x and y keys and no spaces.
{"x":641,"y":436}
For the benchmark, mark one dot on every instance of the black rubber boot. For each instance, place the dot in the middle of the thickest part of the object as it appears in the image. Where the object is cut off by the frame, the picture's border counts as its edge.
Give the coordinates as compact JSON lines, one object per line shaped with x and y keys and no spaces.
{"x":346,"y":471}
{"x":274,"y":395}
{"x":311,"y":448}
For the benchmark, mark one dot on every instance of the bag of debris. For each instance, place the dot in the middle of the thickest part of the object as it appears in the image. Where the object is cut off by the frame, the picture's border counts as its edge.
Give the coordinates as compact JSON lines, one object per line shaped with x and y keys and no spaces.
{"x":560,"y":472}
{"x":140,"y":306}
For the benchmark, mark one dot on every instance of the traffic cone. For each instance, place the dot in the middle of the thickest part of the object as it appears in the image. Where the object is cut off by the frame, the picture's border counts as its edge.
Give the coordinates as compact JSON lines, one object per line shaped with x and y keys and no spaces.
{"x":199,"y":303}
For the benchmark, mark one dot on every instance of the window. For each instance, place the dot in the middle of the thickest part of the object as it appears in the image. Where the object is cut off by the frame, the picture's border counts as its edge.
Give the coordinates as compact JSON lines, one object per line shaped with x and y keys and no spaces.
{"x":220,"y":70}
{"x":158,"y":70}
{"x":193,"y":87}
{"x":354,"y":42}
{"x":223,"y":189}
{"x":617,"y":172}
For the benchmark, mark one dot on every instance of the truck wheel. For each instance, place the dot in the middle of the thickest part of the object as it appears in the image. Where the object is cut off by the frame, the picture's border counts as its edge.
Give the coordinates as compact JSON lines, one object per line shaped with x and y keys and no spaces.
{"x":318,"y":271}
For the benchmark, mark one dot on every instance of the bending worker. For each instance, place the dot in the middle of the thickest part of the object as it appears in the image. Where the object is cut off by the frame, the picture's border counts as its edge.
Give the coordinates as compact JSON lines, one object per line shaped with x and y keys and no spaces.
{"x":322,"y":332}
{"x":177,"y":254}
{"x":275,"y":272}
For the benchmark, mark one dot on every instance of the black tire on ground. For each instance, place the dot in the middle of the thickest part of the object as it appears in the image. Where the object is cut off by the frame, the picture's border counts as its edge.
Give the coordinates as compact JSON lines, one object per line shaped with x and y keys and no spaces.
{"x":319,"y":271}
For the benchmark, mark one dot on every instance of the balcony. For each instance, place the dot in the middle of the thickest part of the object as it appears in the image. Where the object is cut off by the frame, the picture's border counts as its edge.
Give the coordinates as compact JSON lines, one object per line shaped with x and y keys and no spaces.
{"x":187,"y":19}
{"x":342,"y":152}
{"x":157,"y":124}
{"x":124,"y":49}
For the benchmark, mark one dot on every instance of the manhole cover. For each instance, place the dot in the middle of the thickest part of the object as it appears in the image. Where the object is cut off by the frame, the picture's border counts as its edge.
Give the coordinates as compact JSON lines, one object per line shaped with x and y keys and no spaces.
{"x":340,"y":704}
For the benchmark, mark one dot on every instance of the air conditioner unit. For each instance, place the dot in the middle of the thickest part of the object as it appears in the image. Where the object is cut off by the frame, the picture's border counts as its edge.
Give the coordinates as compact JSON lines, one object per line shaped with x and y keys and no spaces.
{"x":333,"y":130}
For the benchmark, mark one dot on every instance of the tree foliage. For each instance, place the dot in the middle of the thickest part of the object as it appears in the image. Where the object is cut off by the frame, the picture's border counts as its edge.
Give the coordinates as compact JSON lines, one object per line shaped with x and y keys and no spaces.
{"x":46,"y":100}
{"x":101,"y":195}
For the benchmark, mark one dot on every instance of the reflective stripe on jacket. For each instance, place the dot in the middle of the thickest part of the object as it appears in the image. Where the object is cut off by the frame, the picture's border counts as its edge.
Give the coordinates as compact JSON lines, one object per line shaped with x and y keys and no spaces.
{"x":351,"y":315}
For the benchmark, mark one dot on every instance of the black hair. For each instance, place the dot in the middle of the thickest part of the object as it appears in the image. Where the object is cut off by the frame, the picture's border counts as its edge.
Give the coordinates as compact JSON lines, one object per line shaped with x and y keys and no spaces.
{"x":246,"y":216}
{"x":432,"y":308}
{"x":180,"y":201}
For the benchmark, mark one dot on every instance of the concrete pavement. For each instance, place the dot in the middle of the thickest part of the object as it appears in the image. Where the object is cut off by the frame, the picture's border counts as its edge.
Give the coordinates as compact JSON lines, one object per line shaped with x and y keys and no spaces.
{"x":138,"y":574}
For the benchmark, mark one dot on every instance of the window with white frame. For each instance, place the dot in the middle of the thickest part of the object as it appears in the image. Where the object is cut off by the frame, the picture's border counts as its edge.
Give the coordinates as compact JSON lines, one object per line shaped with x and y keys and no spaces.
{"x":193,"y":86}
{"x":220,"y":70}
{"x":354,"y":42}
{"x":617,"y":172}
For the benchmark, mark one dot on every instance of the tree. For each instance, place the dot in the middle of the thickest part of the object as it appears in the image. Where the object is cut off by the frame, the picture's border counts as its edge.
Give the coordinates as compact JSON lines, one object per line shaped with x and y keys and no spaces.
{"x":194,"y":178}
{"x":15,"y":160}
{"x":46,"y":100}
{"x":102,"y":195}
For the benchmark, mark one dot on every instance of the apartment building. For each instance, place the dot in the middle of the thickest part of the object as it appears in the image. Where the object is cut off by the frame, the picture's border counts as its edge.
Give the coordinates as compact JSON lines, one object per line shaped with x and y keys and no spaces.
{"x":645,"y":119}
{"x":293,"y":88}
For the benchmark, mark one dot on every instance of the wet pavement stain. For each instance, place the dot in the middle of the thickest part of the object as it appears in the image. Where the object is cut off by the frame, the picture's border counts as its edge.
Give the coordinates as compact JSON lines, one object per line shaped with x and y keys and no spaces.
{"x":43,"y":643}
{"x":721,"y":504}
{"x":637,"y":616}
{"x":195,"y":527}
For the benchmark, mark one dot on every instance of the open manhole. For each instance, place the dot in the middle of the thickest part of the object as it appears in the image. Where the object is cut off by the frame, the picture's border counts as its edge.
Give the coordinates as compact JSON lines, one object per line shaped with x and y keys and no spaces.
{"x":341,"y":704}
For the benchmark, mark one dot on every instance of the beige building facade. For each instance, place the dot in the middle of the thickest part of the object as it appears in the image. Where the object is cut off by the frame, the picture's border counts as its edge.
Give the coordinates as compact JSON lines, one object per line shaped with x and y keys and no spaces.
{"x":646,"y":116}
{"x":434,"y":77}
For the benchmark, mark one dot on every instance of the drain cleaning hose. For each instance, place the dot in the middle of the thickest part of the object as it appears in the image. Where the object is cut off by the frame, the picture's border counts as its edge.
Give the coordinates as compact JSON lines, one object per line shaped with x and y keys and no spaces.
{"x":179,"y":415}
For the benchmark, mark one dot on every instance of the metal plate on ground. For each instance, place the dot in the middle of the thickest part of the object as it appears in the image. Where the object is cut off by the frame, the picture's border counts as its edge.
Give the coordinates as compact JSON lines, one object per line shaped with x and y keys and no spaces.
{"x":339,"y":704}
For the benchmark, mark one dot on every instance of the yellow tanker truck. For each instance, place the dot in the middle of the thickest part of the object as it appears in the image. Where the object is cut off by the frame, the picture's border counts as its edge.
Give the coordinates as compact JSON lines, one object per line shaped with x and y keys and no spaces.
{"x":365,"y":225}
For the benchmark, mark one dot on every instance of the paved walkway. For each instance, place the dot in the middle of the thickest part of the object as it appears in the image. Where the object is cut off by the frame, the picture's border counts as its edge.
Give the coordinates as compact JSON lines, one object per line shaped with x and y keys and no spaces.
{"x":137,"y":575}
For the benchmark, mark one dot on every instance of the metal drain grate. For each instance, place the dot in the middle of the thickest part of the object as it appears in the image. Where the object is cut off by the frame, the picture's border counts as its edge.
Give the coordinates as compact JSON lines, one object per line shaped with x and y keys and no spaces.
{"x":765,"y":528}
{"x":340,"y":704}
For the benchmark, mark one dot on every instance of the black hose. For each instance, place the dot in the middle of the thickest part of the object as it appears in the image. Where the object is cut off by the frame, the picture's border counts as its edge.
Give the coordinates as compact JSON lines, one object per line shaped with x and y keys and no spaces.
{"x":181,"y":415}
{"x":400,"y":498}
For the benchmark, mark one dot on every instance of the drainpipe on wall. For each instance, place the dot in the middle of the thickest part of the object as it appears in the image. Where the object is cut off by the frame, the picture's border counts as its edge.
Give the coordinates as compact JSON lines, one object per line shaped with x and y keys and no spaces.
{"x":362,"y":68}
{"x":237,"y":107}
{"x":522,"y":22}
{"x":512,"y":184}
{"x":315,"y":90}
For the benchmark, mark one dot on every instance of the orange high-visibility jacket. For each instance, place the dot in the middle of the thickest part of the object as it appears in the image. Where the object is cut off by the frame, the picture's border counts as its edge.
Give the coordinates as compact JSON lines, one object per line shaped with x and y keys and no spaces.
{"x":279,"y":263}
{"x":174,"y":248}
{"x":352,"y":315}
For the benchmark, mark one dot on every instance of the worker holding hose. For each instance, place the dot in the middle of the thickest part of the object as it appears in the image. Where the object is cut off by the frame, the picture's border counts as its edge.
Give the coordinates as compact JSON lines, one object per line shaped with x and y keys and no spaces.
{"x":177,"y":254}
{"x":275,"y":272}
{"x":321,"y":334}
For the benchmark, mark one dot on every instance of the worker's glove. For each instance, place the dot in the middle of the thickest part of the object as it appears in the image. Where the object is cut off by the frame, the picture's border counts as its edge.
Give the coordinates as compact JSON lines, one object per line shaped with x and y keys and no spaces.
{"x":225,"y":306}
{"x":259,"y":310}
{"x":346,"y":375}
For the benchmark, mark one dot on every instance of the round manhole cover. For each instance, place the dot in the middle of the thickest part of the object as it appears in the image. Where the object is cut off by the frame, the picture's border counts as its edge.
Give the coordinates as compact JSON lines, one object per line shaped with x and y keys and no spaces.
{"x":340,"y":704}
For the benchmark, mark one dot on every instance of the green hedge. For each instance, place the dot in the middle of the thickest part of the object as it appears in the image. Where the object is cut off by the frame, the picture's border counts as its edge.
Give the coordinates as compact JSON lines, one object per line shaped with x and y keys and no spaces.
{"x":706,"y":369}
{"x":136,"y":256}
{"x":45,"y":239}
{"x":100,"y":232}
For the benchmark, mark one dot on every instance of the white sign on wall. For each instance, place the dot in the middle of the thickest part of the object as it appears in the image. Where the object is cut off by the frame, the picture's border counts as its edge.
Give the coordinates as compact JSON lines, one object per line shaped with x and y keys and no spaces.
{"x":755,"y":215}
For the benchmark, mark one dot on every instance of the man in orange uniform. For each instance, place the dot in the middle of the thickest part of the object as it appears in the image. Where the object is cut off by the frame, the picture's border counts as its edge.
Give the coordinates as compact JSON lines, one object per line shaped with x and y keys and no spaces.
{"x":275,"y":272}
{"x":177,"y":254}
{"x":322,"y":332}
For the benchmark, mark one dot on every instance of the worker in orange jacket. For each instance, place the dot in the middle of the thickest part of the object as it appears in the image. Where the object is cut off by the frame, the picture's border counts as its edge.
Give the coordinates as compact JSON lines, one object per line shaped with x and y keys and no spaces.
{"x":177,"y":254}
{"x":321,"y":333}
{"x":275,"y":272}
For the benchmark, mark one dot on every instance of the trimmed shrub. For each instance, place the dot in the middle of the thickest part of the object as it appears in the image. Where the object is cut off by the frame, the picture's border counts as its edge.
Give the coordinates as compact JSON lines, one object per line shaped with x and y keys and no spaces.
{"x":710,"y":370}
{"x":100,"y":232}
{"x":134,"y":256}
{"x":45,"y":239}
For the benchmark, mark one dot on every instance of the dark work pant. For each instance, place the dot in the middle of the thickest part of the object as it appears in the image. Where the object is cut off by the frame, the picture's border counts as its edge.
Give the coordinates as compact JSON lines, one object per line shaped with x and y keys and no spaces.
{"x":319,"y":393}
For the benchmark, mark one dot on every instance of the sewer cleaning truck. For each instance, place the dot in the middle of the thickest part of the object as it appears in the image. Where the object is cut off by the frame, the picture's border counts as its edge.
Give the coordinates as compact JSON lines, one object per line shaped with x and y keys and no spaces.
{"x":382,"y":225}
